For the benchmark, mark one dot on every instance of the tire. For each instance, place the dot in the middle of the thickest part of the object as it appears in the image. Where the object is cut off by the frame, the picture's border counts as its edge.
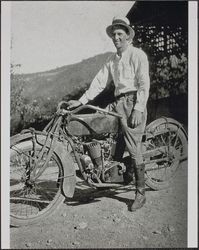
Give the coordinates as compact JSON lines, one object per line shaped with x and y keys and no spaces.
{"x":31,"y":203}
{"x":159,"y":175}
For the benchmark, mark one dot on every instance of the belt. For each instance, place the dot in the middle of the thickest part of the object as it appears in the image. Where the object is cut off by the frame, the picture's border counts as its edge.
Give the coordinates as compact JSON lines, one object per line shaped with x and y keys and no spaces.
{"x":126,"y":94}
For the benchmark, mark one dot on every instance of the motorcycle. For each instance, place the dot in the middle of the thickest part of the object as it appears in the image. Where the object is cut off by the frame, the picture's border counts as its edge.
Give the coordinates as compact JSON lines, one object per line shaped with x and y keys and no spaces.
{"x":44,"y":164}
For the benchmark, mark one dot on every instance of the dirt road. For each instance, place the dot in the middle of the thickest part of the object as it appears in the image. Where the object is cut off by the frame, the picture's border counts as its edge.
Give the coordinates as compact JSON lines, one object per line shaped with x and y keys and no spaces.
{"x":100,"y":219}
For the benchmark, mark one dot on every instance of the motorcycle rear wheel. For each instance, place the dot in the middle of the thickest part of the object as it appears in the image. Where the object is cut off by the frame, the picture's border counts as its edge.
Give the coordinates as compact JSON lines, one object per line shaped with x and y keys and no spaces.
{"x":30,"y":203}
{"x":160,"y":174}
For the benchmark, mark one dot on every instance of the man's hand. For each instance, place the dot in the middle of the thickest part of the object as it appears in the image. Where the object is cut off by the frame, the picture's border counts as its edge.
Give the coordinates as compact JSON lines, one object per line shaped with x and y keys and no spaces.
{"x":73,"y":104}
{"x":136,"y":118}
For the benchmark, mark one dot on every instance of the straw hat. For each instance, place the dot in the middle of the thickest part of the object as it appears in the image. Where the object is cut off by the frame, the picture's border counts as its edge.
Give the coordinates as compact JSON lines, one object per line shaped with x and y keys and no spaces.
{"x":122,"y":21}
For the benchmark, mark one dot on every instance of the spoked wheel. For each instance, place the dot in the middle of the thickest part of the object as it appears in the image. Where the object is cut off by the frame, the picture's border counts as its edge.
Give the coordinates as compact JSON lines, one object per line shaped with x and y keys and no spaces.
{"x":170,"y":144}
{"x":31,"y":201}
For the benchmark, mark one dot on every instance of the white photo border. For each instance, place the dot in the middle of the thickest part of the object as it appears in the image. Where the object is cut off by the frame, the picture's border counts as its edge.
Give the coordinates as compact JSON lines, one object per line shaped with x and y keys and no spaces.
{"x":192,"y":240}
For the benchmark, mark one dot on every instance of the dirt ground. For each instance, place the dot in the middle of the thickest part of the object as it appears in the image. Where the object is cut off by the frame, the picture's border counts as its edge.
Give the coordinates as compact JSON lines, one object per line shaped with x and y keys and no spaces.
{"x":101,"y":219}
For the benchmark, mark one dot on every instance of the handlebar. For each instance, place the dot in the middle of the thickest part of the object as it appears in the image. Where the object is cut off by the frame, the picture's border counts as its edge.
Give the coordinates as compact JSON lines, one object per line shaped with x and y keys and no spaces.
{"x":76,"y":110}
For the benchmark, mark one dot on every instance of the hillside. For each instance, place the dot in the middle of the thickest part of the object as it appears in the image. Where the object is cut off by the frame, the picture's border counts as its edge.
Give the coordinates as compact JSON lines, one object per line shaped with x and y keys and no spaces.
{"x":34,"y":97}
{"x":61,"y":81}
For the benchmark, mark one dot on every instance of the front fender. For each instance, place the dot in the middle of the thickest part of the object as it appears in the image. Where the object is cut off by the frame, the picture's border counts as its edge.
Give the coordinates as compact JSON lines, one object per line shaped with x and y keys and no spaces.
{"x":63,"y":153}
{"x":69,"y":181}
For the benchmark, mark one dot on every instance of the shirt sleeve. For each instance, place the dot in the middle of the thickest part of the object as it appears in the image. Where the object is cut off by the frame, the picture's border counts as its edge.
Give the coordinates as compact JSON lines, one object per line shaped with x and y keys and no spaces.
{"x":143,"y":81}
{"x":98,"y":84}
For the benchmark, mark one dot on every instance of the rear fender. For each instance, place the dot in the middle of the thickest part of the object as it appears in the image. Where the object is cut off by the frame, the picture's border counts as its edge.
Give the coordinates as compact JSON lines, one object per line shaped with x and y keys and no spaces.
{"x":151,"y":126}
{"x":69,"y":181}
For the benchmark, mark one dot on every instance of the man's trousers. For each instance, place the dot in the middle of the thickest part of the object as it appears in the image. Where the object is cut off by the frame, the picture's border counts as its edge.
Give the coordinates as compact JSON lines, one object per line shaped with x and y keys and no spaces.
{"x":132,"y":136}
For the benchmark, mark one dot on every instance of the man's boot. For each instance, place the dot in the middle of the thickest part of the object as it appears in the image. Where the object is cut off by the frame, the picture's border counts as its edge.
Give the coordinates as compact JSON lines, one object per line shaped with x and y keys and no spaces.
{"x":129,"y":175}
{"x":140,"y":198}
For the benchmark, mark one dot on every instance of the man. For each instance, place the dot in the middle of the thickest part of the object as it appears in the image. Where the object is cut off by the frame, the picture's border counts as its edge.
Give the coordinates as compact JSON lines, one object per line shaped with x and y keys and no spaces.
{"x":129,"y":70}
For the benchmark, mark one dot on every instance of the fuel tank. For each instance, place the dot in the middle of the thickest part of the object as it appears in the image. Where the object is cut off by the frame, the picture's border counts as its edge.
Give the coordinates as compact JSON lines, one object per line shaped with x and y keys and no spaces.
{"x":88,"y":124}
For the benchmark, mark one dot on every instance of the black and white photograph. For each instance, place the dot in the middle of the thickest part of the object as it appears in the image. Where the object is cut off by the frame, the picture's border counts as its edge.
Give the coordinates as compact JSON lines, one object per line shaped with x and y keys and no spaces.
{"x":101,"y":109}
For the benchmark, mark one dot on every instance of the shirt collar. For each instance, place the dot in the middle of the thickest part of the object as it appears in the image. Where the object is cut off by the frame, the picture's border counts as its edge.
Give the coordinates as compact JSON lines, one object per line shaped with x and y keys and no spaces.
{"x":123,"y":53}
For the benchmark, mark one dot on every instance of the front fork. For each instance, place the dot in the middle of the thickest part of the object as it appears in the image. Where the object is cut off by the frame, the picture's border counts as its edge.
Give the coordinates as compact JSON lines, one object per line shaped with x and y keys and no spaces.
{"x":49,"y":145}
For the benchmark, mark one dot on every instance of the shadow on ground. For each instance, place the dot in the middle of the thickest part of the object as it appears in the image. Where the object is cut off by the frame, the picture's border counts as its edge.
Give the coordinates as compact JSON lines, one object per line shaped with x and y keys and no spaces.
{"x":84,"y":195}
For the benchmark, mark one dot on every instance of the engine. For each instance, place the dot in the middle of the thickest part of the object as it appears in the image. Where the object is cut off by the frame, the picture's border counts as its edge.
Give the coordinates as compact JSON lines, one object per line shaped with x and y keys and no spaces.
{"x":97,"y":159}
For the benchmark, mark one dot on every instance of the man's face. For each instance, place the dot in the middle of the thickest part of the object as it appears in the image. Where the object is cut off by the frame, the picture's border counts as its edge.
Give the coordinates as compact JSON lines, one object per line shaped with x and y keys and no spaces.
{"x":120,"y":38}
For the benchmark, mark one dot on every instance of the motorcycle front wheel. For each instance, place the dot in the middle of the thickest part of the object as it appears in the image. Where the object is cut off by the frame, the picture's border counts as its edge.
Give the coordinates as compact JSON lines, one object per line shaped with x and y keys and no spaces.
{"x":32,"y":202}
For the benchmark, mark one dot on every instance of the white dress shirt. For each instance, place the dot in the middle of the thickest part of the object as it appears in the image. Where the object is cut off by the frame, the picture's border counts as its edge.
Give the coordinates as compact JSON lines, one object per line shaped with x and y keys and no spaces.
{"x":130,"y":72}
